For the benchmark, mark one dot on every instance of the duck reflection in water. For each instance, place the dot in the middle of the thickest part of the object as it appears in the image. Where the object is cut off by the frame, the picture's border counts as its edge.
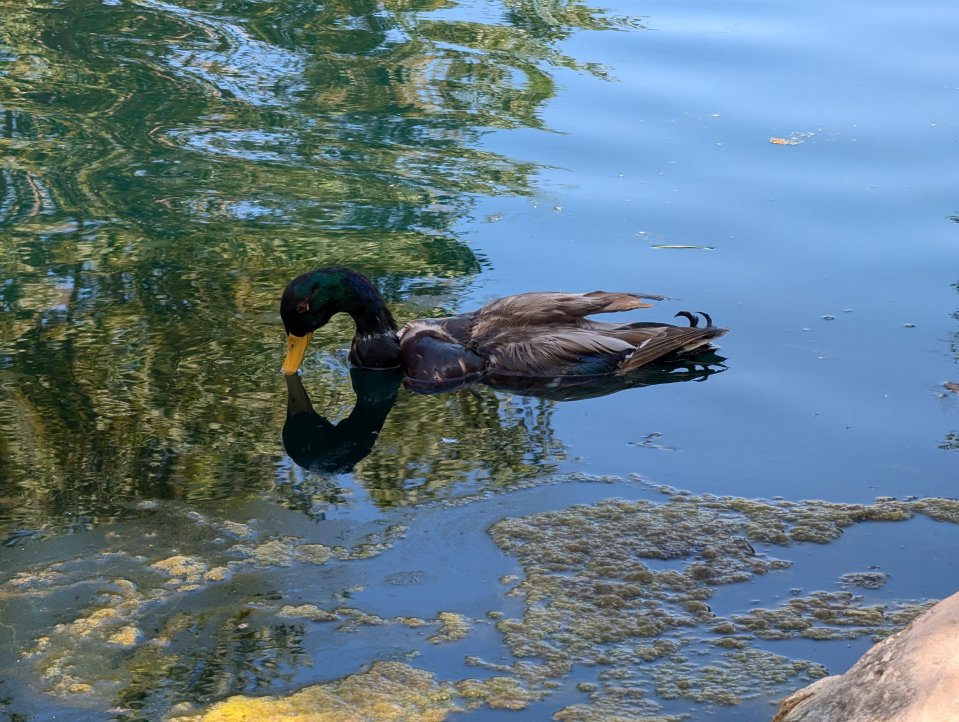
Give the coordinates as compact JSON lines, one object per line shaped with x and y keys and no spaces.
{"x":315,"y":443}
{"x":576,"y":388}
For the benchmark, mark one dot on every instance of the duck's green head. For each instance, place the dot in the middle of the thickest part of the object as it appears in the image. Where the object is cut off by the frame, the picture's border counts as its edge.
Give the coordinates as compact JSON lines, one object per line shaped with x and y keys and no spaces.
{"x":310,"y":300}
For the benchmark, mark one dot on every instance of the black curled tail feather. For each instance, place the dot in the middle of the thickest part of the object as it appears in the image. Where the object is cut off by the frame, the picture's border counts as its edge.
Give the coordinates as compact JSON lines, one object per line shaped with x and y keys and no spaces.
{"x":693,"y":320}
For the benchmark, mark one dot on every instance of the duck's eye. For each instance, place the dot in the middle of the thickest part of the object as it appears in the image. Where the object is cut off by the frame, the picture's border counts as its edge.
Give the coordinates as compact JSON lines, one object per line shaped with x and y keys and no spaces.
{"x":303,"y":307}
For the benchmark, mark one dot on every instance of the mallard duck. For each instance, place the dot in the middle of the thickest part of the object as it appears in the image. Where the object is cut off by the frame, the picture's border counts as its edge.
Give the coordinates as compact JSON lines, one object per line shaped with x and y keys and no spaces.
{"x":542,"y":335}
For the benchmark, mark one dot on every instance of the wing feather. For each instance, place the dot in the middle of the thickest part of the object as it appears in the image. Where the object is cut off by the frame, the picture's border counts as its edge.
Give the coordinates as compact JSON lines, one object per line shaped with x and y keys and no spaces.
{"x":553,"y":308}
{"x":553,"y":353}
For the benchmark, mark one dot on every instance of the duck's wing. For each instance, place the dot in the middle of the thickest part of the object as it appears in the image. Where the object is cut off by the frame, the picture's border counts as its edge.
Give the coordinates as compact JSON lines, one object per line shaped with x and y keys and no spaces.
{"x":592,"y":348}
{"x":555,"y":352}
{"x":552,"y":308}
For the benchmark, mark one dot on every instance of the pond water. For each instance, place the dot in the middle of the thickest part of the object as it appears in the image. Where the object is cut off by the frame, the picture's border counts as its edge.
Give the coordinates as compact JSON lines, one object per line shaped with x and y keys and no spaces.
{"x":167,"y":166}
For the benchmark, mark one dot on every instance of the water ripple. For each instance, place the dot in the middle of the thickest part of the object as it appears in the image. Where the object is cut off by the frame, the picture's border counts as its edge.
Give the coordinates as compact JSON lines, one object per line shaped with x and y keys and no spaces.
{"x":230,"y":61}
{"x":243,"y":144}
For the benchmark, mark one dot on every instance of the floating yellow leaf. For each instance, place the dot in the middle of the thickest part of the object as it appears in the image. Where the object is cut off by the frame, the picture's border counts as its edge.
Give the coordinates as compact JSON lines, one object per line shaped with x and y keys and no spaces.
{"x":793,"y":139}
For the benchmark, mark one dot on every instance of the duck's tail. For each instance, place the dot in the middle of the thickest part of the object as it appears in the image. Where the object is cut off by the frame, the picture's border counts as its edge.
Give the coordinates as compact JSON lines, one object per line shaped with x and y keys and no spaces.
{"x":663,"y":341}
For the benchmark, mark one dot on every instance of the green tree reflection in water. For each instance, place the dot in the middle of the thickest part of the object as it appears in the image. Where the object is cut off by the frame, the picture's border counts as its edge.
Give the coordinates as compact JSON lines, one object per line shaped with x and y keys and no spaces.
{"x":167,"y":166}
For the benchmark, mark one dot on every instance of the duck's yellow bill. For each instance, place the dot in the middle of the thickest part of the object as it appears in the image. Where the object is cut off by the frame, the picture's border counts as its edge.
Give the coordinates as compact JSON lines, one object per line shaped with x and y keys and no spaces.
{"x":295,"y":351}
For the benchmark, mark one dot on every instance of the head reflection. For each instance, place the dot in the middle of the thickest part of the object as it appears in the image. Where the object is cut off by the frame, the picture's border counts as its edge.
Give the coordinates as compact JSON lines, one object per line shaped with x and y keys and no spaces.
{"x":315,"y":443}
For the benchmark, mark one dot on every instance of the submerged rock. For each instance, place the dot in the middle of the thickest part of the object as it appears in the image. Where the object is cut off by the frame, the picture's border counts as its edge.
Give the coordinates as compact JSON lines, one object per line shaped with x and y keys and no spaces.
{"x":910,"y":677}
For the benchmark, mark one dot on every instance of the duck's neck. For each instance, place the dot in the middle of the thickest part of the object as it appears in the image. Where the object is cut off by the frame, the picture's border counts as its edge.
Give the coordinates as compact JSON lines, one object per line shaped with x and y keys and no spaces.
{"x":375,"y":344}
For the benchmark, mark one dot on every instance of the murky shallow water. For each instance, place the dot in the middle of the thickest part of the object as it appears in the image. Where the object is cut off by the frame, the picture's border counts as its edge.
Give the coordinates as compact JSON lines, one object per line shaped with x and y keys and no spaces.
{"x":166,"y":168}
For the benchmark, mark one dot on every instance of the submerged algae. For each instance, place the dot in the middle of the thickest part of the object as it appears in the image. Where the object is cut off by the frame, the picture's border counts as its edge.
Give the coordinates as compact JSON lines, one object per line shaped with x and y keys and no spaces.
{"x":113,"y":594}
{"x":388,"y":691}
{"x":64,"y":656}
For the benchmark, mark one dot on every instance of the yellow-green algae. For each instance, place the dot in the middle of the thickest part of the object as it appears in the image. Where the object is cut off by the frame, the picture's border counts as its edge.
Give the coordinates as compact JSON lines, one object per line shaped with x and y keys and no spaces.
{"x":358,"y":618}
{"x":497,"y":692}
{"x":735,"y":676}
{"x":306,"y":611}
{"x":454,"y":627}
{"x":314,"y":553}
{"x":71,"y":649}
{"x":388,"y":692}
{"x":186,"y":573}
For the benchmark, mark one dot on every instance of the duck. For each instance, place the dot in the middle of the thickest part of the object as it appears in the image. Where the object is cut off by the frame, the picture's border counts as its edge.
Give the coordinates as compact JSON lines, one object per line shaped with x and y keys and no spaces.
{"x":540,"y":335}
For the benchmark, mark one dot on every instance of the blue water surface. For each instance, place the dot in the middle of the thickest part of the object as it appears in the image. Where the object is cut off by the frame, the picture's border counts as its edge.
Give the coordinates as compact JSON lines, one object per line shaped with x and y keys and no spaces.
{"x":788,"y":167}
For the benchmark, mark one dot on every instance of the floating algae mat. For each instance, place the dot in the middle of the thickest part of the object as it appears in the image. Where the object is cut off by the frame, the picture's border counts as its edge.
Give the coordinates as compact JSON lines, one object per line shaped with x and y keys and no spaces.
{"x":607,"y":612}
{"x":596,"y":594}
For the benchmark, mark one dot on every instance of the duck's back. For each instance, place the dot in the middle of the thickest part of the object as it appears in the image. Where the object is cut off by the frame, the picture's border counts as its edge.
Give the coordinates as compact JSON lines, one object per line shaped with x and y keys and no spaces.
{"x":549,"y":334}
{"x":542,"y":334}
